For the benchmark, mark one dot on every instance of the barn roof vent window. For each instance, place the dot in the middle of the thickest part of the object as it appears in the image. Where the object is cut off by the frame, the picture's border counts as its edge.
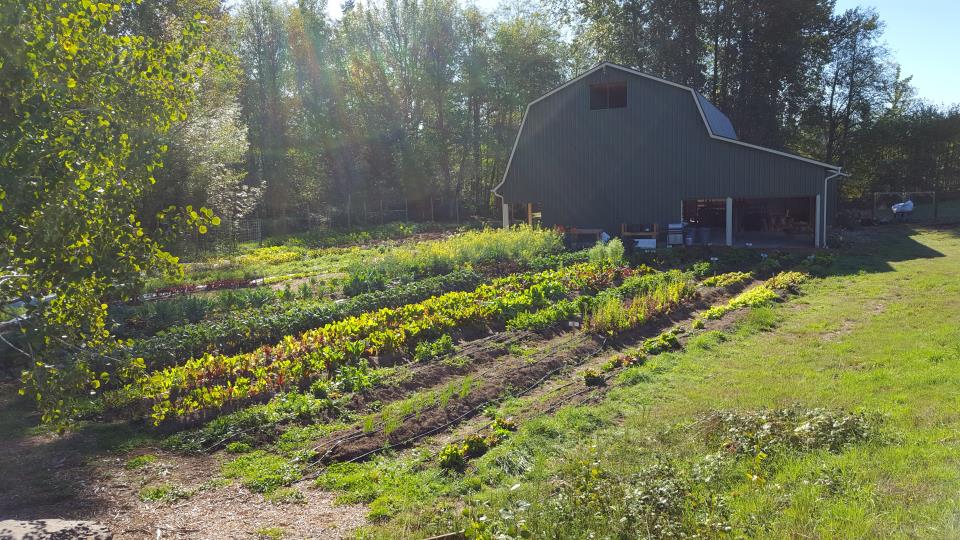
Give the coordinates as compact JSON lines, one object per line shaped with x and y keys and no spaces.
{"x":612,"y":95}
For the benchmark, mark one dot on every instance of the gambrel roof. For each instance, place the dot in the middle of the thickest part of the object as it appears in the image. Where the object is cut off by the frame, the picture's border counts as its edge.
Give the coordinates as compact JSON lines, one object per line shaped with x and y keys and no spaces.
{"x":717,"y":125}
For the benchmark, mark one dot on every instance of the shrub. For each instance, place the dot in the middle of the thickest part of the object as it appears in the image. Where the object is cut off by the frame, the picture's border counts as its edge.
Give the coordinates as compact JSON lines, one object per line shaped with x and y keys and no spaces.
{"x":453,"y":457}
{"x":701,"y":269}
{"x":666,"y":341}
{"x":609,"y":254}
{"x":547,"y":317}
{"x":238,"y":447}
{"x":818,"y":264}
{"x":768,"y":266}
{"x":592,"y":378}
{"x":609,"y":316}
{"x":364,"y":281}
{"x":792,"y":428}
{"x":787,"y":281}
{"x":474,"y":446}
{"x":726,"y":280}
{"x":430,"y":350}
{"x":757,"y":296}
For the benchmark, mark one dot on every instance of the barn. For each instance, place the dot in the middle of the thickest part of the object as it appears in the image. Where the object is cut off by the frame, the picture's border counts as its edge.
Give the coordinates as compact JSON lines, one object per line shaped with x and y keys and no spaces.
{"x":620,"y":151}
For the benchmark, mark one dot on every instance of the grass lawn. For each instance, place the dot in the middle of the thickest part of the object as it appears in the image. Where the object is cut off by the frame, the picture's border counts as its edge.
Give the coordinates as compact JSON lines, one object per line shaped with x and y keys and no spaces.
{"x":880,"y":336}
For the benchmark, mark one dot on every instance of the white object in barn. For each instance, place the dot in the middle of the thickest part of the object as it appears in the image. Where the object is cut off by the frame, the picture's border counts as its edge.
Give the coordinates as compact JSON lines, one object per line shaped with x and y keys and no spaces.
{"x":645,"y":243}
{"x":903,"y":208}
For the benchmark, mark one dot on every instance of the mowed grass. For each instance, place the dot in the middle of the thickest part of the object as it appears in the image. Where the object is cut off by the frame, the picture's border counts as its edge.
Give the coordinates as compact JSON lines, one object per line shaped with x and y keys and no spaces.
{"x":879,"y":336}
{"x":883,"y":340}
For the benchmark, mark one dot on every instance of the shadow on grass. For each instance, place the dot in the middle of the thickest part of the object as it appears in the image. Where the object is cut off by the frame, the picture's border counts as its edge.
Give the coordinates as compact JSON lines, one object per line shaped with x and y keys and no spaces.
{"x":43,"y":475}
{"x":873,"y":249}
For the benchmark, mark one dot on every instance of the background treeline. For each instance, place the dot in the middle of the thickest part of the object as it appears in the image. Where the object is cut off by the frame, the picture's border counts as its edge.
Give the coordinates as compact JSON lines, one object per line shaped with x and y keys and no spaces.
{"x":407,"y":100}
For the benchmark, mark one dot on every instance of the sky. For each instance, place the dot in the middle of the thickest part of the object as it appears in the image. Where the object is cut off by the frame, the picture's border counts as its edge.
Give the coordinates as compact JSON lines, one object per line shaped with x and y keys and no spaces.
{"x":923,"y":36}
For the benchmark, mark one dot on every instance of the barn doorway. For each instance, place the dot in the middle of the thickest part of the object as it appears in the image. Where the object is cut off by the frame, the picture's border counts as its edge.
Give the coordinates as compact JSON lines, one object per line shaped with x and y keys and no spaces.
{"x":706,"y":221}
{"x":774,"y":222}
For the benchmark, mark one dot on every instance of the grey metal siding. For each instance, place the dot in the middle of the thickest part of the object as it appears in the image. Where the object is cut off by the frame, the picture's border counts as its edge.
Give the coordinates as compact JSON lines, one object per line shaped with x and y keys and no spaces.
{"x":600,"y":168}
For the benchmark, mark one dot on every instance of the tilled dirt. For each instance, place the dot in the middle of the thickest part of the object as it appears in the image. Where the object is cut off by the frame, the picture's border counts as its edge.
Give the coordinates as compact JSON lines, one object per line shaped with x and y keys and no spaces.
{"x":550,"y":381}
{"x":508,"y":375}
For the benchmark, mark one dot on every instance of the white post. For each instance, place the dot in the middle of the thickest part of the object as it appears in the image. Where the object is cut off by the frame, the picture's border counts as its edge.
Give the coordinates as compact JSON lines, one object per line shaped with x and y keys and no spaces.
{"x":506,"y":216}
{"x":818,"y":228}
{"x":729,"y":221}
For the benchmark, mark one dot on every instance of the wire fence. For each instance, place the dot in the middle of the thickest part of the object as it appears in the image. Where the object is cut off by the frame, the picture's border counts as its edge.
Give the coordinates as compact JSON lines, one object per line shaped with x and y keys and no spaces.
{"x":927,"y":206}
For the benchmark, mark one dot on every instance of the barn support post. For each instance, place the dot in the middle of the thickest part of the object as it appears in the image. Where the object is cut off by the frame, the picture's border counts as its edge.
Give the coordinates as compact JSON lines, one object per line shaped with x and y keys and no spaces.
{"x":729,"y":214}
{"x":818,"y":233}
{"x":506,"y":216}
{"x":530,"y":214}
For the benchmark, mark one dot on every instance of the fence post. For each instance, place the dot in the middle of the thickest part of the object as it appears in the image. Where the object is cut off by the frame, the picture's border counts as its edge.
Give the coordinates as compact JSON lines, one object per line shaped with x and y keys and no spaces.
{"x":935,"y":208}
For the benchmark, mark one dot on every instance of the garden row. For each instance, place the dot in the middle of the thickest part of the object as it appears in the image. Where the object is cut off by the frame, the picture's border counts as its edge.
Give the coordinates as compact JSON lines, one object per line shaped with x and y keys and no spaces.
{"x":247,"y":329}
{"x":387,"y":262}
{"x":445,"y":402}
{"x":659,"y":293}
{"x":211,"y":381}
{"x":366,"y":270}
{"x":649,"y":295}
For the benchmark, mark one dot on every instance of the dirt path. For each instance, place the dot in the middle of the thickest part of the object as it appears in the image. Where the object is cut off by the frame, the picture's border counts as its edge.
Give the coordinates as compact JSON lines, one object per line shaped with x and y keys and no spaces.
{"x":85,"y":476}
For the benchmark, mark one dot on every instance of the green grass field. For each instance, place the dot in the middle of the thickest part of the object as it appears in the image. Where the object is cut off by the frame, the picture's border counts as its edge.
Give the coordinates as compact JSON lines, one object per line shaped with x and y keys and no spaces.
{"x":881,"y":336}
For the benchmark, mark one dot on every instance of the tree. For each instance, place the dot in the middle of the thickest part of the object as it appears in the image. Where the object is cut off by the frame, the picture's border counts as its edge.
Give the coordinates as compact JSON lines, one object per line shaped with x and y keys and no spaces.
{"x":263,"y":53}
{"x":80,"y":107}
{"x":660,"y":37}
{"x":527,"y":60}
